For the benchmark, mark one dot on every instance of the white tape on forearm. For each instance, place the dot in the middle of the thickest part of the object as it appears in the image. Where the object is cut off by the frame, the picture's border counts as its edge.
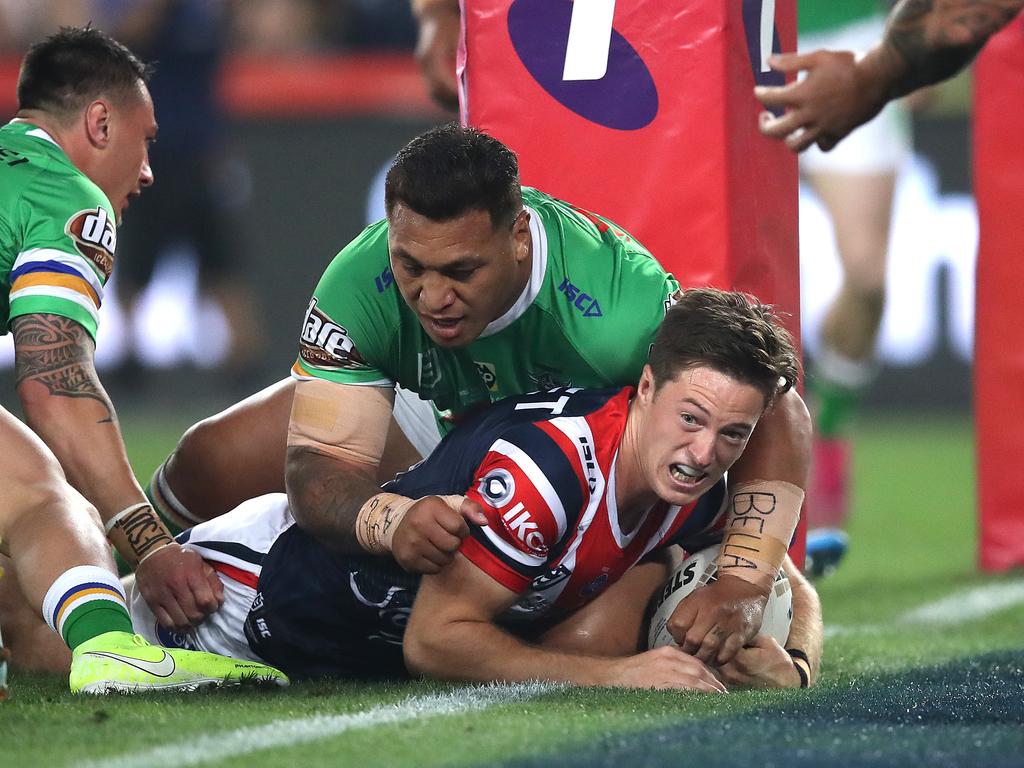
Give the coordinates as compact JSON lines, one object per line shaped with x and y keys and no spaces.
{"x":112,"y":522}
{"x":762,"y":517}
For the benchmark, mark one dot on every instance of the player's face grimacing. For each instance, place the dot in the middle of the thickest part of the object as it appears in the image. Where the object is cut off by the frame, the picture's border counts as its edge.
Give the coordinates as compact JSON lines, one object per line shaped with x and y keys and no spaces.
{"x":124,"y":170}
{"x":458,"y":275}
{"x":693,"y":428}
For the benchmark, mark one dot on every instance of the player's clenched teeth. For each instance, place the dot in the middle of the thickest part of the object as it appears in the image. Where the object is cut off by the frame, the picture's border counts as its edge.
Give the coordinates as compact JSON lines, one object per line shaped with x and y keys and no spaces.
{"x":686,"y":474}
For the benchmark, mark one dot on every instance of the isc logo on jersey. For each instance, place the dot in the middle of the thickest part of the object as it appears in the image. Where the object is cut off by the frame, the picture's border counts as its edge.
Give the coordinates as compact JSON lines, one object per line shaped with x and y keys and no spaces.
{"x":325,"y":344}
{"x":95,"y":238}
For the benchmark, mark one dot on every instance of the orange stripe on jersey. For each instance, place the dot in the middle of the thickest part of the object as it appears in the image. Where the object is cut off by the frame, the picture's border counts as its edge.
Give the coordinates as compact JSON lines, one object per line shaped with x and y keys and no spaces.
{"x":236,"y":574}
{"x":56,"y":279}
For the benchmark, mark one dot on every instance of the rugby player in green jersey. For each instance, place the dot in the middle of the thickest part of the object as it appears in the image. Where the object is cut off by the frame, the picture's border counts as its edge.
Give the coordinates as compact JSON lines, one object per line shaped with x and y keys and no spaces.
{"x":473,"y":289}
{"x":70,"y":161}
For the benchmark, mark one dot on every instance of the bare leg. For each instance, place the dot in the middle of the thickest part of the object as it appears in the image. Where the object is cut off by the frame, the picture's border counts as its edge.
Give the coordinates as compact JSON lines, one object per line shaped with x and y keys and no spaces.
{"x":860,"y":206}
{"x":861,"y":209}
{"x":47,"y":528}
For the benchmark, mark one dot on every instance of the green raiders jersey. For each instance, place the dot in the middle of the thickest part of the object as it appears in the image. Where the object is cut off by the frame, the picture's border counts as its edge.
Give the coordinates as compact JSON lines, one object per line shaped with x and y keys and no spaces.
{"x":586,"y":319}
{"x":814,"y":16}
{"x":57,"y":231}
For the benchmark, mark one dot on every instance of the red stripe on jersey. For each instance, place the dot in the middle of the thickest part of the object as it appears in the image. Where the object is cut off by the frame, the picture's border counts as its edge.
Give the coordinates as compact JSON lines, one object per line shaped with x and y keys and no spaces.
{"x":235,"y":574}
{"x":485,"y":560}
{"x":517,"y":513}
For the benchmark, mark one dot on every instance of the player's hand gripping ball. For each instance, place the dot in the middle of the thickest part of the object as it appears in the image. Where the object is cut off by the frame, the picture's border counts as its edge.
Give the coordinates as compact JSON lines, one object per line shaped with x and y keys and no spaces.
{"x":697,"y":571}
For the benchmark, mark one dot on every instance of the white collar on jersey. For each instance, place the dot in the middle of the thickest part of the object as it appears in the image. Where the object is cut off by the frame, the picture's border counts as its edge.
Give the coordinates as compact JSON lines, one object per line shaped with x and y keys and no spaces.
{"x":612,"y":505}
{"x":38,"y":133}
{"x":539,"y":239}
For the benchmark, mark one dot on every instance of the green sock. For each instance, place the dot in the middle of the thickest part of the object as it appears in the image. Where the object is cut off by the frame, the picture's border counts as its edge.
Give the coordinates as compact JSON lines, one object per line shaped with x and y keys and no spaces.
{"x":837,"y":406}
{"x":95,"y":618}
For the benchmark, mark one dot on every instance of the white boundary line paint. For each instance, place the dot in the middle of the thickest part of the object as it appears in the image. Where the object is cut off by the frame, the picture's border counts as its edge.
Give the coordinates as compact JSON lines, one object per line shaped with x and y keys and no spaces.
{"x":966,"y":605}
{"x":214,"y":747}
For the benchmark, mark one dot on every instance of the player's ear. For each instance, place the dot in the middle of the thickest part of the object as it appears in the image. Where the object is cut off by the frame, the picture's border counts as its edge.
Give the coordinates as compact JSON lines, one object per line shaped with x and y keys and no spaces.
{"x":97,"y":123}
{"x":645,"y":387}
{"x":521,"y":235}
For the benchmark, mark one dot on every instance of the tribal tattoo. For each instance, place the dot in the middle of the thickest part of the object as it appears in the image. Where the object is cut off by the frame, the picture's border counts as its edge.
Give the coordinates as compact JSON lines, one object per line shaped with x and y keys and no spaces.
{"x":937,"y":38}
{"x":58,"y":353}
{"x":144,"y":531}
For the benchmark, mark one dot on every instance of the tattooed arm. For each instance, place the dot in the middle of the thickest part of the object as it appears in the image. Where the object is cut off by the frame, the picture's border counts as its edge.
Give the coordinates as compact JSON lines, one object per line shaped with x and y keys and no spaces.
{"x":925,"y":42}
{"x":65,"y":404}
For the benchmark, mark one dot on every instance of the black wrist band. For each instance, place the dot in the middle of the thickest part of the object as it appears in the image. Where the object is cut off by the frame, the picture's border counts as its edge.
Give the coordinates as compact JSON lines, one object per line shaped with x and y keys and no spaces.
{"x":796,"y":653}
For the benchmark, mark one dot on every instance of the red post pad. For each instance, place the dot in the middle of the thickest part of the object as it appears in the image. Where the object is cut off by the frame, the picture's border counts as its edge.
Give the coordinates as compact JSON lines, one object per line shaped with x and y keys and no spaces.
{"x":999,"y":342}
{"x":651,"y":121}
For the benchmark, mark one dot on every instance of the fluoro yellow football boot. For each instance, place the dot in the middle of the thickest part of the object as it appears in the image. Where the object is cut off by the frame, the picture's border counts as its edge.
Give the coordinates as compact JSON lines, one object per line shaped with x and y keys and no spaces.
{"x":125,"y":663}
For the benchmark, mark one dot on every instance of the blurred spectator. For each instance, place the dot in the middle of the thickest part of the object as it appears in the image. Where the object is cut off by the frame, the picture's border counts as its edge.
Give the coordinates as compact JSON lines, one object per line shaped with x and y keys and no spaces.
{"x":855,"y":182}
{"x":198,"y":197}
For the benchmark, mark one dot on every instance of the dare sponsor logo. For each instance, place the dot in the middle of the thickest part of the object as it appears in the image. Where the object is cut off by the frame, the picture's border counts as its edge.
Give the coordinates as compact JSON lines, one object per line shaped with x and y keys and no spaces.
{"x":95,"y":238}
{"x":574,"y":53}
{"x":497,"y":487}
{"x":519,"y":522}
{"x":580,"y":299}
{"x":325,"y":344}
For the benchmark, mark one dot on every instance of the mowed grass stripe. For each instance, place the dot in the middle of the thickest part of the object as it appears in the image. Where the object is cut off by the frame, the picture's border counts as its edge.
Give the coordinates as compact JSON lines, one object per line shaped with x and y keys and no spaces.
{"x":214,"y":747}
{"x":959,"y":607}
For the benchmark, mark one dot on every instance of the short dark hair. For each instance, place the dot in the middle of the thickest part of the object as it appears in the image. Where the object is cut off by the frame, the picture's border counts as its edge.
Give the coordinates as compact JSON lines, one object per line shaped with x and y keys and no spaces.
{"x":452,"y":169}
{"x":729,"y":332}
{"x":68,"y":69}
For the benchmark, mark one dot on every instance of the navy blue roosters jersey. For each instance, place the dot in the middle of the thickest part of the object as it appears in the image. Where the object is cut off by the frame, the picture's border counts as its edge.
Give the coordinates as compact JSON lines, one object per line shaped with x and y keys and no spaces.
{"x":542,"y":466}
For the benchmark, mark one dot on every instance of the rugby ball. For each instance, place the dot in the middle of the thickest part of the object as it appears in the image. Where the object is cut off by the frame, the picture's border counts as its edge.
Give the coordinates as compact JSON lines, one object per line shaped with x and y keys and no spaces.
{"x":701,"y":569}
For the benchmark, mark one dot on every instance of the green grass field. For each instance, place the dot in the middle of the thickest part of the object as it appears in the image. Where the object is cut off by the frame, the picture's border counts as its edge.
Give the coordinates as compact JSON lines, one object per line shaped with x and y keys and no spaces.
{"x":893,"y":691}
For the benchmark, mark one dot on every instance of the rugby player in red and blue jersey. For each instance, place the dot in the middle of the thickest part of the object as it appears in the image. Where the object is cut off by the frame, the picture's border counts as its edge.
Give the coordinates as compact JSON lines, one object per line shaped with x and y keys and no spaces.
{"x":578,"y":487}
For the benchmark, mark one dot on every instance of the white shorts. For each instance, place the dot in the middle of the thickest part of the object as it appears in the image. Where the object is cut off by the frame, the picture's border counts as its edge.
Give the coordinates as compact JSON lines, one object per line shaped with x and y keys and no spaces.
{"x":234,"y":545}
{"x":881,"y":145}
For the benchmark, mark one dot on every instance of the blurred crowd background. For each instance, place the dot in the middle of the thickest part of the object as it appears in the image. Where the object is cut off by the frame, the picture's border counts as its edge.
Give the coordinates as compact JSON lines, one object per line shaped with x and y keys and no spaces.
{"x":277,"y":118}
{"x":268,"y":27}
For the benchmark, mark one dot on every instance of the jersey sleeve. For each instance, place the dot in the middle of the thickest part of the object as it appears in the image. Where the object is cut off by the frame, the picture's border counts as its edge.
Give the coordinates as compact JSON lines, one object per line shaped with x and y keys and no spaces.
{"x":345,"y":333}
{"x":530,"y":491}
{"x":68,"y":239}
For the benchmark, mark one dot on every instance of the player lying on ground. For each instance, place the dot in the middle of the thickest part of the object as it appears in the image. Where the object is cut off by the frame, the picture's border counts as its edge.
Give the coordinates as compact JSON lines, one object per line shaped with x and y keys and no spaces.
{"x":578,"y":487}
{"x":70,"y":160}
{"x":473,"y":289}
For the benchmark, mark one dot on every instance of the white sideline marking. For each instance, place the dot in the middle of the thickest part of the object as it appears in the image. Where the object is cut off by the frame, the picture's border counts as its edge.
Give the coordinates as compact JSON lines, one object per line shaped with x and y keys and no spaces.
{"x":957,"y":608}
{"x":212,"y":747}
